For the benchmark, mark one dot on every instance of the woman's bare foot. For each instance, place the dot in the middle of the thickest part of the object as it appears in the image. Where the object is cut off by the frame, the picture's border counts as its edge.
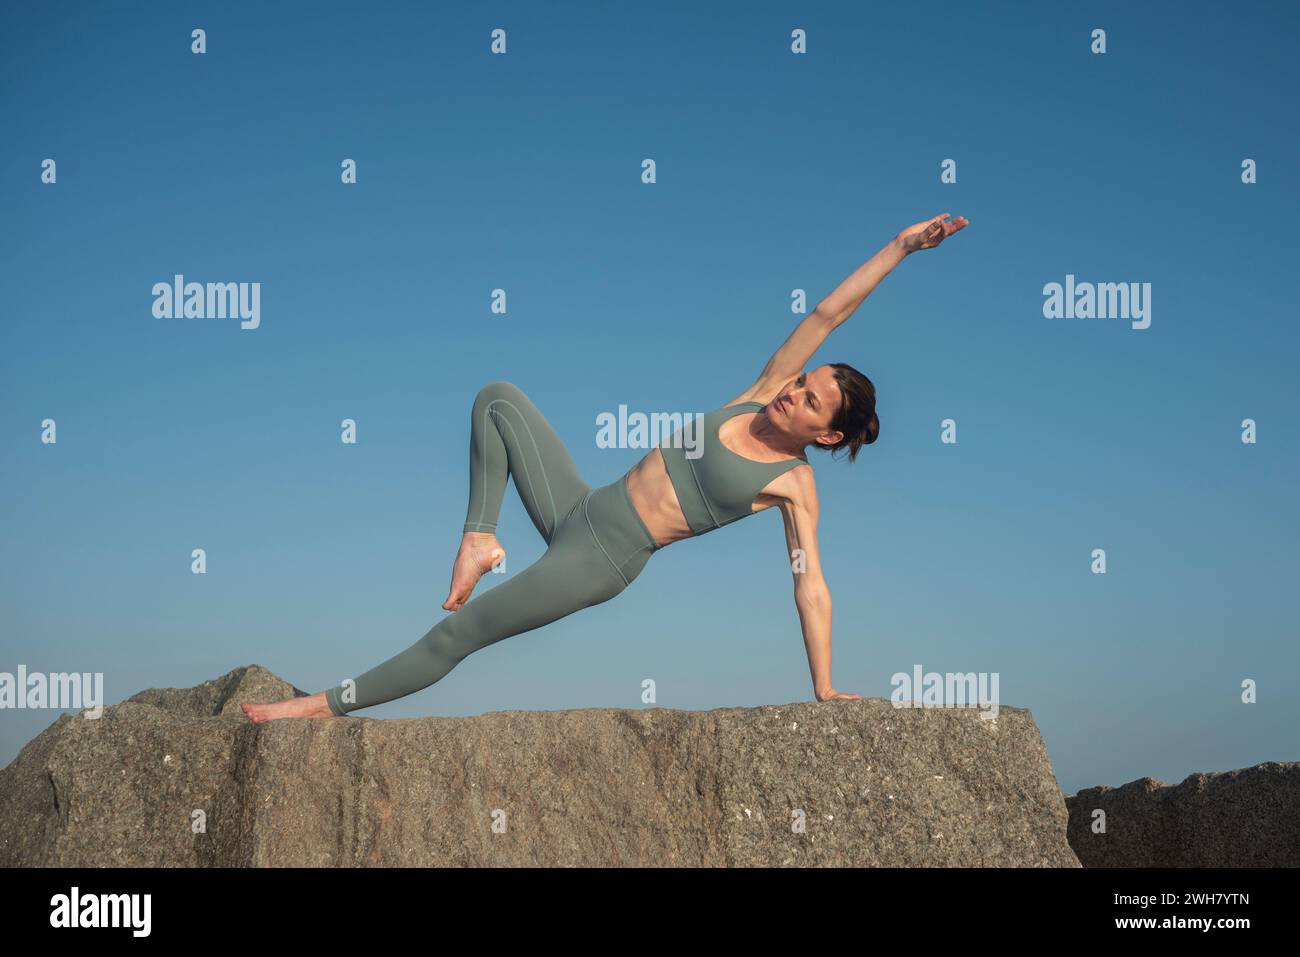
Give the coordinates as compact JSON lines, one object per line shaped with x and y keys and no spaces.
{"x":308,"y":706}
{"x":479,"y":551}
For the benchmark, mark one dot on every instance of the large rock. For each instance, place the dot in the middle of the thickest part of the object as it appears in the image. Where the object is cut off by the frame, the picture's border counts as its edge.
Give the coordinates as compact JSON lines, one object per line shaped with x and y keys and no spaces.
{"x":180,"y":777}
{"x":1245,"y":818}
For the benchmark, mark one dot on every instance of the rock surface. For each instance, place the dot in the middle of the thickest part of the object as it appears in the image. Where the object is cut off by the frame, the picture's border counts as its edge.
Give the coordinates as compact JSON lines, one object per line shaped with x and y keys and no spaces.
{"x":1245,"y":818}
{"x":181,"y":777}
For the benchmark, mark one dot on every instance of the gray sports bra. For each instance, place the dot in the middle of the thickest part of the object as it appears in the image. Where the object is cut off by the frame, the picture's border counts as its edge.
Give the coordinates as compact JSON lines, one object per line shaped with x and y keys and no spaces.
{"x":718,"y":486}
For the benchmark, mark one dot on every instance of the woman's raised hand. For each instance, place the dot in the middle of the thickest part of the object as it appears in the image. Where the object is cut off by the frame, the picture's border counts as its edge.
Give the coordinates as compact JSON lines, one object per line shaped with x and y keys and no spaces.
{"x":931,"y":232}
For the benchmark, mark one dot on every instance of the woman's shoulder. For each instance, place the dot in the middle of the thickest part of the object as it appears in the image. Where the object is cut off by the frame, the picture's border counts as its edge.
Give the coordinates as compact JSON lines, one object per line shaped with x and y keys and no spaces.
{"x":797,"y":483}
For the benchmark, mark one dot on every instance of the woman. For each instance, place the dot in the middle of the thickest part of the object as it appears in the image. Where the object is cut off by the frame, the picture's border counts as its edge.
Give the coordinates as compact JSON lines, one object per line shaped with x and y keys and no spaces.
{"x":599,"y":540}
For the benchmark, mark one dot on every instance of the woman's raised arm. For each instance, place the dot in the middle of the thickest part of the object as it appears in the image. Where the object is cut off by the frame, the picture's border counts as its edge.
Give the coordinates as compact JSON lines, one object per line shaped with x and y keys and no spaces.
{"x":788,"y":361}
{"x":848,"y":295}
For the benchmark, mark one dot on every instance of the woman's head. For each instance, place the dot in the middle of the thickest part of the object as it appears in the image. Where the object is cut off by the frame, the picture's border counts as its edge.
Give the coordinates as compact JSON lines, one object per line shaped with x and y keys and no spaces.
{"x":833,"y":407}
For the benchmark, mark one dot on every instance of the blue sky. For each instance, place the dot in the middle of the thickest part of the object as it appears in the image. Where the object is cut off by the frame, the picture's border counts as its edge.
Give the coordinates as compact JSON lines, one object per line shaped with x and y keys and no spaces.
{"x":775,"y":172}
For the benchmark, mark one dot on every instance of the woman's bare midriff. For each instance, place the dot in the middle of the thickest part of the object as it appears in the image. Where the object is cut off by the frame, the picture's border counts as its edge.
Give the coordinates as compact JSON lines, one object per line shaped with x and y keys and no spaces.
{"x":655,"y":500}
{"x":653,"y":497}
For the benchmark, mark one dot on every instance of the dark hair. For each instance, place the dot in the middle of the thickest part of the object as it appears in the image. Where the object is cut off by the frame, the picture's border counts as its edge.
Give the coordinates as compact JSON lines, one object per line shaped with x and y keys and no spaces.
{"x":856,"y":416}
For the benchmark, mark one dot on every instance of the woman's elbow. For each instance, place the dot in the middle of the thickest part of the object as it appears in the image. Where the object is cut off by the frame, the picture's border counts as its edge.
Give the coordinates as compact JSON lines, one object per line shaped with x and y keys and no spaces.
{"x":812,"y":596}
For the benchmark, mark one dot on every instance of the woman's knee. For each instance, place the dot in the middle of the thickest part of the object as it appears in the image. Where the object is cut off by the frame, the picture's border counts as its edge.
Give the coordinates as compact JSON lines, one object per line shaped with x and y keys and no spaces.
{"x":501,"y":389}
{"x":443,"y":650}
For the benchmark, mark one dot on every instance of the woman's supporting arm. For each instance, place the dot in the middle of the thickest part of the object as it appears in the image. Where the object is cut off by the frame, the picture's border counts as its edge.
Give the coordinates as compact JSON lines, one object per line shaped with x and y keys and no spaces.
{"x":812,"y":597}
{"x":815,"y":620}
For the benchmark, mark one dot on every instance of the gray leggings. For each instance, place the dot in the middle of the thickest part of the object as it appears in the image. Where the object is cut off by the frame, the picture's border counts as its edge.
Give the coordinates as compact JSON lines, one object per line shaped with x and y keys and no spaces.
{"x":596,"y":545}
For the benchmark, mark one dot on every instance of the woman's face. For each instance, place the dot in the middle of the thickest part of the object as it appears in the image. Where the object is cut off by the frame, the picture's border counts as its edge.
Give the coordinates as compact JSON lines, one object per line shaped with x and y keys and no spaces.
{"x":806,"y":404}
